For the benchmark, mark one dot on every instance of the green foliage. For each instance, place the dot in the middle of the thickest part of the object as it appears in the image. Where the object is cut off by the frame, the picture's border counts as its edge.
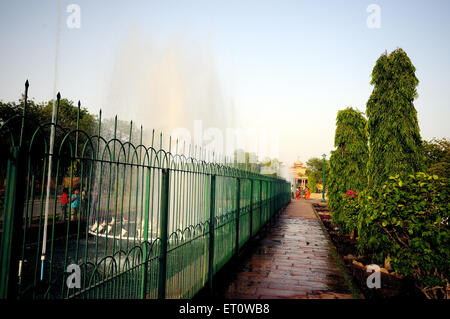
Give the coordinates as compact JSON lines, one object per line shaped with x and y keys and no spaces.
{"x":312,"y":183}
{"x":40,"y":114}
{"x":395,"y":145}
{"x":67,"y":116}
{"x":397,"y":212}
{"x":35,"y":115}
{"x":347,"y":166}
{"x":314,"y":169}
{"x":346,"y":215}
{"x":407,"y":219}
{"x":437,"y":157}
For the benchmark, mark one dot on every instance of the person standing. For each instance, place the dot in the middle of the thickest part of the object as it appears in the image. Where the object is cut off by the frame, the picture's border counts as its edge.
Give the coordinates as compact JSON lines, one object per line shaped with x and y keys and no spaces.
{"x":298,"y":193}
{"x":64,"y":202}
{"x":84,"y":201}
{"x":307,"y":193}
{"x":75,"y":204}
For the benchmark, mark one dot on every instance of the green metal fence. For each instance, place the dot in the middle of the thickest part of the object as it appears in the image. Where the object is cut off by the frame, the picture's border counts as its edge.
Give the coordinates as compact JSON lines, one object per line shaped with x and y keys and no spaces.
{"x":149,"y":223}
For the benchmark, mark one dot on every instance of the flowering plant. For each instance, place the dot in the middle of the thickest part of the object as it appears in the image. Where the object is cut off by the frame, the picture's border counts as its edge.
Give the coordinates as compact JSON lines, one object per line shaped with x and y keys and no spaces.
{"x":351,"y":195}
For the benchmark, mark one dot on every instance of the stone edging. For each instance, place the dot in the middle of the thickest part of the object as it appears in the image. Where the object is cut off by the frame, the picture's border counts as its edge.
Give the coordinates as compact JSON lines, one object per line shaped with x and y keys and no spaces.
{"x":348,"y":281}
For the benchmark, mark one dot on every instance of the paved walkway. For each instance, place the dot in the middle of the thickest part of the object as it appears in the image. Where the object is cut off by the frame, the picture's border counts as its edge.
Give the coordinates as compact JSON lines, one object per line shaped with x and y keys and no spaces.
{"x":293,"y":261}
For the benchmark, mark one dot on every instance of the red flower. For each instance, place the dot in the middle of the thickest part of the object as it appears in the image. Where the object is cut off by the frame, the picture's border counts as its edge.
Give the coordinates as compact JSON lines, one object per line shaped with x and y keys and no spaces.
{"x":351,"y":194}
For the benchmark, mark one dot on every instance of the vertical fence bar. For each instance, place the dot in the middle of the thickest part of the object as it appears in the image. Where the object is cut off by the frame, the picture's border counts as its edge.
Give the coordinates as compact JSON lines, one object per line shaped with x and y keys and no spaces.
{"x":11,"y":248}
{"x":251,"y":208}
{"x":238,"y":213}
{"x":211,"y":232}
{"x":13,"y":214}
{"x":260,"y":199}
{"x":270,"y":212}
{"x":144,"y":276}
{"x":163,"y":231}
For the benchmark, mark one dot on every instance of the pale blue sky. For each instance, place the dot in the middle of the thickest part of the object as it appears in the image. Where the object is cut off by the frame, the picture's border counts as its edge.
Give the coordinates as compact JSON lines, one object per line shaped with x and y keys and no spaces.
{"x":288,"y":65}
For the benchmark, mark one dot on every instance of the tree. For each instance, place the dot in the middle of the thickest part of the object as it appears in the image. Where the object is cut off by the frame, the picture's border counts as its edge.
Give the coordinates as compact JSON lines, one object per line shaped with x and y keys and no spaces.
{"x":270,"y":167}
{"x":314,"y":169}
{"x":10,"y":110}
{"x":41,"y":113}
{"x":348,"y":162}
{"x":437,"y":157}
{"x":39,"y":116}
{"x":312,"y":183}
{"x":395,"y":145}
{"x":67,"y":116}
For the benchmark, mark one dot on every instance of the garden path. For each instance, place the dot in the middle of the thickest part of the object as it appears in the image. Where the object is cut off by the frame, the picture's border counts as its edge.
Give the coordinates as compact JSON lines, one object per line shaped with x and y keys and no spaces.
{"x":294,"y":261}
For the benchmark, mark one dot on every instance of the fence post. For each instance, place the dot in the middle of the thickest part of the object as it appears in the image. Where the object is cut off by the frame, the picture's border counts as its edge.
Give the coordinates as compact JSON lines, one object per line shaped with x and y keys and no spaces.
{"x":260,"y":199}
{"x":211,"y":232}
{"x":251,"y":208}
{"x":144,"y":275}
{"x":12,"y":224}
{"x":238,"y":213}
{"x":270,"y":200}
{"x":163,"y":231}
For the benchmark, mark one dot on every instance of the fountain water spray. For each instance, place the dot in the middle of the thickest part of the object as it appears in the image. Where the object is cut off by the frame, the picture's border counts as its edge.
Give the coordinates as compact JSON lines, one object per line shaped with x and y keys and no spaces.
{"x":52,"y":143}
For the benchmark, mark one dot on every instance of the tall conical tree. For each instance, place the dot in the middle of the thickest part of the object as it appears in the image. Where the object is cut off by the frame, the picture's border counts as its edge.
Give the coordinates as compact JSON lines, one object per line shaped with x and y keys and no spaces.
{"x":348,"y":163}
{"x":395,"y":145}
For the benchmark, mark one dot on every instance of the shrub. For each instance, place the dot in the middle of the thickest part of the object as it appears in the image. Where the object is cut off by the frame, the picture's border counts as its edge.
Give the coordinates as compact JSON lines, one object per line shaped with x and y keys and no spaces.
{"x":347,"y":163}
{"x":346,"y":214}
{"x":407,"y":220}
{"x":395,"y":145}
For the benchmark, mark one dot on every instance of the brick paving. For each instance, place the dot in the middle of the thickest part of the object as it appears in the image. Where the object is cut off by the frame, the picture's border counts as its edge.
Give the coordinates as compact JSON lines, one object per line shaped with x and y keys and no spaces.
{"x":293,"y":261}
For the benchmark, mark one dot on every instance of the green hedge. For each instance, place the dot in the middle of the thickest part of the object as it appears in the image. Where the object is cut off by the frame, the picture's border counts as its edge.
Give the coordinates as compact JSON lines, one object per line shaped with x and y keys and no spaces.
{"x":347,"y":165}
{"x":346,"y":213}
{"x":407,"y":220}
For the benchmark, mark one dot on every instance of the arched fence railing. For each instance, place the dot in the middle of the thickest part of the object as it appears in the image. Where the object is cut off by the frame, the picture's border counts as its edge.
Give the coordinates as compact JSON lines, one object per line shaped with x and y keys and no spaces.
{"x":143,"y":223}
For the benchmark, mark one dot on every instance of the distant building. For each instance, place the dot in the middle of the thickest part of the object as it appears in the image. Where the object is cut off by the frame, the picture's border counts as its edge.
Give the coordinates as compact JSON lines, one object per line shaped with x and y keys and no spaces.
{"x":298,"y":174}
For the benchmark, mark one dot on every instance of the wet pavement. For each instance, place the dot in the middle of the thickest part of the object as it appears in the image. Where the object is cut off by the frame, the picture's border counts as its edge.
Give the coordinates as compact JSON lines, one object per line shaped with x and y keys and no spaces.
{"x":293,"y":261}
